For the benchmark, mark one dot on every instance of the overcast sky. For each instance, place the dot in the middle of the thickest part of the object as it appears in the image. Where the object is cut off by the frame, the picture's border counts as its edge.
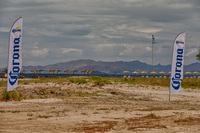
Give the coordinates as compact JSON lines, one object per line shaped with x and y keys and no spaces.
{"x":102,"y":30}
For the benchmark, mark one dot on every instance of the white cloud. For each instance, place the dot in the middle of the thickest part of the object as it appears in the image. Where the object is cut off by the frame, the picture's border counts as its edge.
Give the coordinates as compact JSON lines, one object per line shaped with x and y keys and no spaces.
{"x":128,"y":50}
{"x":2,"y":29}
{"x":98,"y":29}
{"x":149,"y":30}
{"x":71,"y":51}
{"x":191,"y":51}
{"x":40,"y":53}
{"x":148,"y":48}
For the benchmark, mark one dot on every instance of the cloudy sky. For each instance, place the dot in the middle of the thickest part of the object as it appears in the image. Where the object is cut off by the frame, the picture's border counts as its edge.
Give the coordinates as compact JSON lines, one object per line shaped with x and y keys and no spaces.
{"x":102,"y":30}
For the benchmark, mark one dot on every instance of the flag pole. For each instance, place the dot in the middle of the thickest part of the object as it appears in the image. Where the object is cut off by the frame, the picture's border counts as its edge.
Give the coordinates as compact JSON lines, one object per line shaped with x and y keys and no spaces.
{"x":152,"y":50}
{"x":177,"y":64}
{"x":6,"y":94}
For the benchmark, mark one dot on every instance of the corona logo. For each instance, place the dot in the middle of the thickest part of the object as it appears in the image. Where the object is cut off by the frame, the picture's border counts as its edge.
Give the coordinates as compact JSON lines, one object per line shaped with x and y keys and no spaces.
{"x":17,"y":29}
{"x":180,"y":41}
{"x":14,"y":73}
{"x":176,"y":80}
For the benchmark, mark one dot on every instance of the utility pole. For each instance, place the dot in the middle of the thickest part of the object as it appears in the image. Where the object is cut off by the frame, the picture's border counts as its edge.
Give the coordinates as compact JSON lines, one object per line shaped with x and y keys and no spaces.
{"x":153,"y":41}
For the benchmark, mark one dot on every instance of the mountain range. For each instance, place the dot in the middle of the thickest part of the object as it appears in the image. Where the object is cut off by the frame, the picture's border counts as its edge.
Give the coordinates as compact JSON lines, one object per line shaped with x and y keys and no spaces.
{"x":110,"y":67}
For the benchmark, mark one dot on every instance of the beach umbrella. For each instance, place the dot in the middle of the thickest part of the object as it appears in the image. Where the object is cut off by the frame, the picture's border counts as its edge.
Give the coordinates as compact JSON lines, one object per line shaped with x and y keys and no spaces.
{"x":34,"y":70}
{"x":3,"y":70}
{"x":23,"y":70}
{"x":66,"y":71}
{"x":40,"y":70}
{"x":162,"y":72}
{"x":126,"y":72}
{"x":73,"y":71}
{"x":169,"y":73}
{"x":188,"y":73}
{"x":70,"y":71}
{"x":143,"y":72}
{"x":5,"y":76}
{"x":84,"y":71}
{"x":50,"y":70}
{"x":195,"y":72}
{"x":91,"y":72}
{"x":53,"y":70}
{"x":135,"y":72}
{"x":87,"y":71}
{"x":57,"y":71}
{"x":153,"y":72}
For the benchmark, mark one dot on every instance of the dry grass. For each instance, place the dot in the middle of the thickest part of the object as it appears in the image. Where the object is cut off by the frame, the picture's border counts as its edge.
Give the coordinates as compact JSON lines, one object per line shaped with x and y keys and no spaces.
{"x":102,"y":126}
{"x":60,"y":105}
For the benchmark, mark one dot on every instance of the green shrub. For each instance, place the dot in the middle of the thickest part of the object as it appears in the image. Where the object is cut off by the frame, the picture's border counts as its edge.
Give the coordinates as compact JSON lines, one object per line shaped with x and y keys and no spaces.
{"x":100,"y":80}
{"x":5,"y":95}
{"x":11,"y":95}
{"x":150,"y":115}
{"x":78,"y":80}
{"x":71,"y":80}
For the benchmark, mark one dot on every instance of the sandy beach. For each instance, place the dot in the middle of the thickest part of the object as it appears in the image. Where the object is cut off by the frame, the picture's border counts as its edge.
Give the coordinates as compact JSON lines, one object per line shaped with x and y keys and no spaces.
{"x":112,"y":108}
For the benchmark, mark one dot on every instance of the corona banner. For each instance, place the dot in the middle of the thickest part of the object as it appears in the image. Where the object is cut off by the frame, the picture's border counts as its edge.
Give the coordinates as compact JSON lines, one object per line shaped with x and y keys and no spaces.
{"x":14,"y":54}
{"x":177,"y":63}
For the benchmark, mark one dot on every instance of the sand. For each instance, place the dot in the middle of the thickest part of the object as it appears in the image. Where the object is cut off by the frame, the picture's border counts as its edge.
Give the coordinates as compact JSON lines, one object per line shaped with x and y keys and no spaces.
{"x":116,"y":108}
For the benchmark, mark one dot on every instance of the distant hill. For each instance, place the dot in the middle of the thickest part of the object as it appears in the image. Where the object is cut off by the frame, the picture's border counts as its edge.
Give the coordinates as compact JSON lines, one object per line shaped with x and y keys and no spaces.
{"x":110,"y":67}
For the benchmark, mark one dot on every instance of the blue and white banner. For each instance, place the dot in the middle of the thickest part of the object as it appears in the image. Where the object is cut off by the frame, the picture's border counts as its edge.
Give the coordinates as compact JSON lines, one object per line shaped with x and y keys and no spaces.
{"x":14,"y":54}
{"x":177,"y":63}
